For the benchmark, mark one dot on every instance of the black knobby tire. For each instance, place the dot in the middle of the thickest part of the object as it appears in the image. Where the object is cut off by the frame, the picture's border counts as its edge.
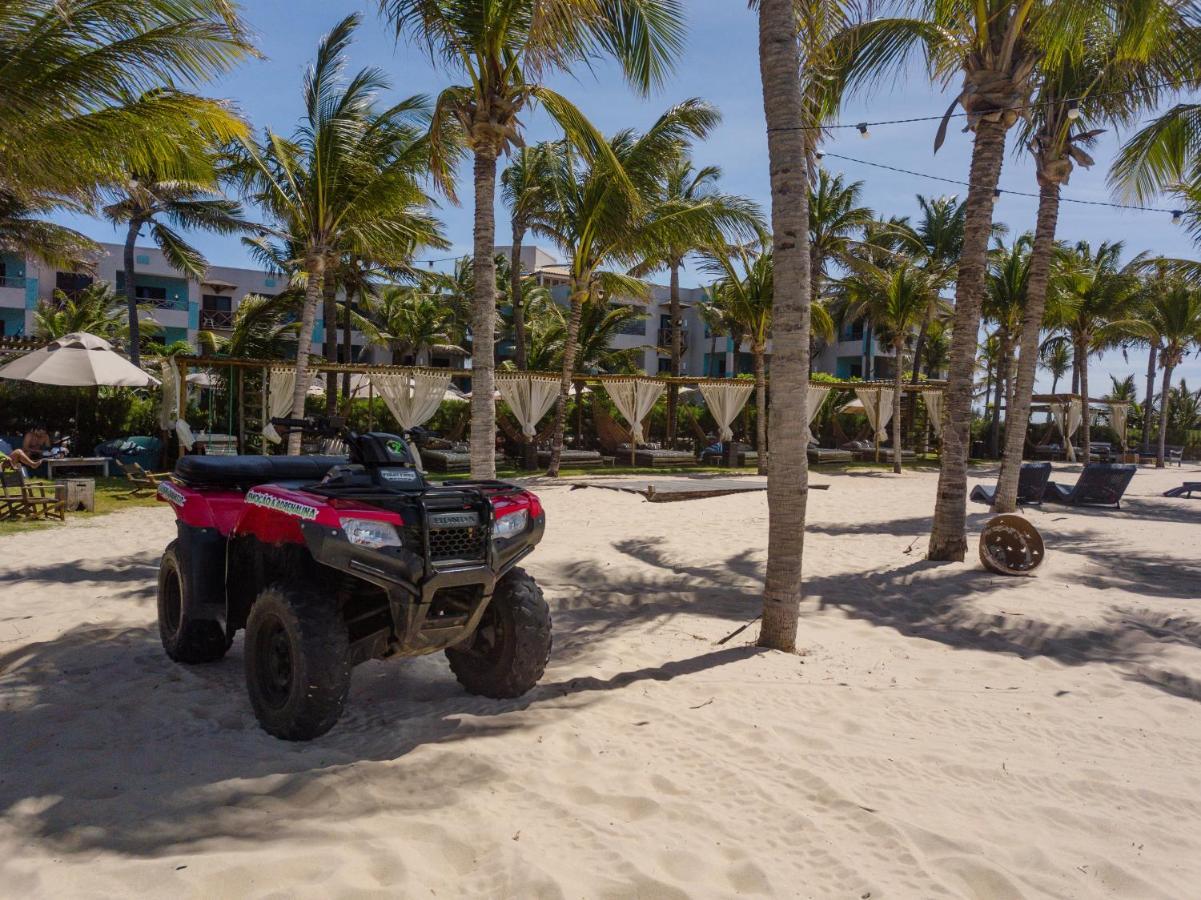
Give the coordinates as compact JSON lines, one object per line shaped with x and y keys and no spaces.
{"x":297,"y":662}
{"x":509,"y":650}
{"x":186,"y":640}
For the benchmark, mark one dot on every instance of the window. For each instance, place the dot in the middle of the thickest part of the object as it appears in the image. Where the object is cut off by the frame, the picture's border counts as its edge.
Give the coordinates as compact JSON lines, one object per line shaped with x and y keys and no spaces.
{"x":852,"y":331}
{"x":217,"y":302}
{"x":216,"y":311}
{"x":150,"y":293}
{"x":71,"y":283}
{"x":664,"y":365}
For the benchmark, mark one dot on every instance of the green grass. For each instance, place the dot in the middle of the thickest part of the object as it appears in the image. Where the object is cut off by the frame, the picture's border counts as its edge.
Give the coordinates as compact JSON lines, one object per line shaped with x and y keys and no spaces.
{"x":112,"y":495}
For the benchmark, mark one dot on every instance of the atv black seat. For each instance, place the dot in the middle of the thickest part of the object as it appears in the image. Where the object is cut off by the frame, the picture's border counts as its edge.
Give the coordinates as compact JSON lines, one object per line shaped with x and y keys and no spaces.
{"x":245,"y":471}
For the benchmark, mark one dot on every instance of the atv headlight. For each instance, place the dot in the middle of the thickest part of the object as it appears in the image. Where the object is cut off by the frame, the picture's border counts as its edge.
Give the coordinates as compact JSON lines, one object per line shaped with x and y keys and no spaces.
{"x":370,"y":533}
{"x":513,"y":523}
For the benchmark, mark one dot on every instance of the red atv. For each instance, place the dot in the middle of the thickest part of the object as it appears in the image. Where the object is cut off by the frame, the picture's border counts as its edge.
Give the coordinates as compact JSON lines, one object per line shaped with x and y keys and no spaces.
{"x":328,"y":562}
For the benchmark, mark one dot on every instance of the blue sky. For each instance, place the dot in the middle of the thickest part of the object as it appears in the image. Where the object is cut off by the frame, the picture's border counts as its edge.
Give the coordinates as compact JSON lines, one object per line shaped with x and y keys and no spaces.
{"x":720,"y":65}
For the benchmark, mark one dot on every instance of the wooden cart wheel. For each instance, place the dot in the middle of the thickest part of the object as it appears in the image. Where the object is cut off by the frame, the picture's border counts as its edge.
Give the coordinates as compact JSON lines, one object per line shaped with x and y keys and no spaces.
{"x":1010,"y":545}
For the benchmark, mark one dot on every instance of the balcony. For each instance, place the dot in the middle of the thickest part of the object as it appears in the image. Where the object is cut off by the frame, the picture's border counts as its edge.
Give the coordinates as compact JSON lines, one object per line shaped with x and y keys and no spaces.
{"x":216,"y":318}
{"x":664,"y":339}
{"x":12,"y":281}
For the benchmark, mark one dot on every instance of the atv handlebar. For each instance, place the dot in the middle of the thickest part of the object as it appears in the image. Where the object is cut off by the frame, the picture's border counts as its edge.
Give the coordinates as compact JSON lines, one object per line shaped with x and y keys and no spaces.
{"x":326,"y":426}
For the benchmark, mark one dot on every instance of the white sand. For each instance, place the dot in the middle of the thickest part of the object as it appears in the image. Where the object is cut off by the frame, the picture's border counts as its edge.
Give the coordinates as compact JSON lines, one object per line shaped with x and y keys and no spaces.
{"x":948,"y":733}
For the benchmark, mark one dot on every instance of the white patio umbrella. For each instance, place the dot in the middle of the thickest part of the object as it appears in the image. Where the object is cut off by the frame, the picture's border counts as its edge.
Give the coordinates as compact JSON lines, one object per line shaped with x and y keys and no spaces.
{"x":77,"y":360}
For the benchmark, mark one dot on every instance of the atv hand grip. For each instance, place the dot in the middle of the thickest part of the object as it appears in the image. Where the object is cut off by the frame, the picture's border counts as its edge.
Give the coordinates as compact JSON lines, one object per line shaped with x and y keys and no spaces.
{"x":302,"y":424}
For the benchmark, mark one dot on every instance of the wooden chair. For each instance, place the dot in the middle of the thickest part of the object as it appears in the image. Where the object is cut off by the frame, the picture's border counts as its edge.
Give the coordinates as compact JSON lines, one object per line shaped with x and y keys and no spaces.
{"x":141,"y":480}
{"x":19,"y":499}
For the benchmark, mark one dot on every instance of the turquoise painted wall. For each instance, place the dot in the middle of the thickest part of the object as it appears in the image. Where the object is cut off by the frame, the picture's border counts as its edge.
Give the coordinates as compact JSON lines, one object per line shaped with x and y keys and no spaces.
{"x":14,"y":321}
{"x":14,"y":266}
{"x":171,"y":335}
{"x":31,"y":293}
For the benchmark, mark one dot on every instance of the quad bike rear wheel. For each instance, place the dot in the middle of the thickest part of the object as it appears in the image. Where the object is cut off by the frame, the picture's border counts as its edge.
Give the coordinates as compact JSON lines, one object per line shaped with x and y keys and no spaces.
{"x":186,"y":640}
{"x":297,"y":662}
{"x":509,"y":650}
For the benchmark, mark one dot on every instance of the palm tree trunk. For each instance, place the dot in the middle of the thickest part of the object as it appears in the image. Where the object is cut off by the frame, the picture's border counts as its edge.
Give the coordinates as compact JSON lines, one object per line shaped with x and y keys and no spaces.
{"x":673,"y":390}
{"x":1161,"y":452}
{"x":948,"y":538}
{"x":569,"y":351}
{"x":131,"y":294}
{"x":788,"y":473}
{"x":516,"y":299}
{"x":329,"y":293}
{"x":1017,"y":415}
{"x":898,"y":381}
{"x":761,"y":416}
{"x":483,"y":319}
{"x":1150,"y":403}
{"x":314,"y":288}
{"x":347,"y":346}
{"x":1085,"y":430}
{"x":994,"y":437}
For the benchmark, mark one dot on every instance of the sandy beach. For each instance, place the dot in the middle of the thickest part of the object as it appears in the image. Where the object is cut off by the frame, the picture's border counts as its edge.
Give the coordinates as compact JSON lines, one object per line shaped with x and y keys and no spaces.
{"x":946,"y":732}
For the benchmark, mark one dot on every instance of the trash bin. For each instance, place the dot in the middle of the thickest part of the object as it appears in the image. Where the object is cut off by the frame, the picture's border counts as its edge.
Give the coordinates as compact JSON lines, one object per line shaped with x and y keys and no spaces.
{"x":80,"y":494}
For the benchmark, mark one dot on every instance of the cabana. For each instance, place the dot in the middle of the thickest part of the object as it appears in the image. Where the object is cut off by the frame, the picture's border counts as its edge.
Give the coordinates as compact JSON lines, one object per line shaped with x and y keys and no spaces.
{"x":1066,"y":413}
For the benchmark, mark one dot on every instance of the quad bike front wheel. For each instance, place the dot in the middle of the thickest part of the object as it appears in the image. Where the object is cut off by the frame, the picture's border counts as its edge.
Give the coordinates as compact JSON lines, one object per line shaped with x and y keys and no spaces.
{"x":186,"y":640}
{"x":509,"y":650}
{"x":297,"y":662}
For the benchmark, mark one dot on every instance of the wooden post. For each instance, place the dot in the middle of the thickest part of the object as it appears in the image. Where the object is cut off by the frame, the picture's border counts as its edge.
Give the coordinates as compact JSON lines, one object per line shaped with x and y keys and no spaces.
{"x":241,"y":410}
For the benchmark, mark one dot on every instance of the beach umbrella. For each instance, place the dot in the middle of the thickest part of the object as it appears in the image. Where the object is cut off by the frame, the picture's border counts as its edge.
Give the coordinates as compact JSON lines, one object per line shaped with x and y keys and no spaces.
{"x":453,"y":396}
{"x":77,"y":360}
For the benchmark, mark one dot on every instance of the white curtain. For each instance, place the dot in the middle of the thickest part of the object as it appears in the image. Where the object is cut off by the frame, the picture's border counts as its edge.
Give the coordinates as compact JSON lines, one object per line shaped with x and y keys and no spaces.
{"x":816,"y":397}
{"x":412,"y":399}
{"x":933,"y":401}
{"x":1118,"y":413}
{"x":529,"y":396}
{"x":634,"y":400}
{"x":725,"y":402}
{"x":1075,"y":416}
{"x":280,"y":387}
{"x":878,"y":406}
{"x":168,"y":412}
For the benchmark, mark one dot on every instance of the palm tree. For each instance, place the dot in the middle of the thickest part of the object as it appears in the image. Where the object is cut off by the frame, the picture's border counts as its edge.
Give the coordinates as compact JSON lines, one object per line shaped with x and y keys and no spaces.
{"x":94,"y":309}
{"x":141,"y":202}
{"x":502,"y":49}
{"x":606,"y":210}
{"x":599,"y":324}
{"x":940,"y":239}
{"x":729,"y":217}
{"x":261,"y":328}
{"x":90,"y":89}
{"x":994,"y":46}
{"x":1175,"y":323}
{"x":24,"y":231}
{"x":743,"y":292}
{"x":895,"y":301}
{"x":1056,"y":358}
{"x":835,"y":216}
{"x":1099,"y":295}
{"x":346,"y":181}
{"x":1133,"y":53}
{"x":1007,"y":285}
{"x":522,"y":185}
{"x":409,"y":321}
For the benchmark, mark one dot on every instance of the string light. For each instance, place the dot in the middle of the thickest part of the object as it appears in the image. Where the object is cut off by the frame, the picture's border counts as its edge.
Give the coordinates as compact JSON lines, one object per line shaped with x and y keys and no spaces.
{"x":863,"y":132}
{"x":1177,"y":214}
{"x":1073,"y":110}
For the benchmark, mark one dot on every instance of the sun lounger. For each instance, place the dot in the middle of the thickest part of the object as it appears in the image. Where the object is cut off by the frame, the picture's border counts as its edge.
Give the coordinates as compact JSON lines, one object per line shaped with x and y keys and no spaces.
{"x":1032,"y":485}
{"x":143,"y":482}
{"x":1100,"y":484}
{"x":822,"y":455}
{"x":657,"y":459}
{"x":574,"y":459}
{"x":446,"y":461}
{"x":1170,"y":455}
{"x":1185,"y":490}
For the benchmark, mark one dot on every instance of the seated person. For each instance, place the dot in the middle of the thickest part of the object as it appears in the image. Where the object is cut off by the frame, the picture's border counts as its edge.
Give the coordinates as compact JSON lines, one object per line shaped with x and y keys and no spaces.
{"x":33,"y":449}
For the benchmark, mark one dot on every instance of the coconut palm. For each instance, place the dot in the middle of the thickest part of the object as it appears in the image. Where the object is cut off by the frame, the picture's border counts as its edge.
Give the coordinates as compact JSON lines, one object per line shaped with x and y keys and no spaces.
{"x":994,"y":46}
{"x":1056,"y":358}
{"x":503,"y":48}
{"x":940,"y":241}
{"x":95,"y":309}
{"x":90,"y":89}
{"x":895,"y":301}
{"x":729,"y":217}
{"x":743,"y":292}
{"x":599,"y":324}
{"x":411,"y":322}
{"x":1175,"y":323}
{"x":1133,"y":54}
{"x":522,"y":186}
{"x":23,"y":230}
{"x":161,"y":206}
{"x":1098,"y":309}
{"x":608,"y":210}
{"x":346,"y":181}
{"x":1004,"y":302}
{"x":835,"y":217}
{"x":261,"y":328}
